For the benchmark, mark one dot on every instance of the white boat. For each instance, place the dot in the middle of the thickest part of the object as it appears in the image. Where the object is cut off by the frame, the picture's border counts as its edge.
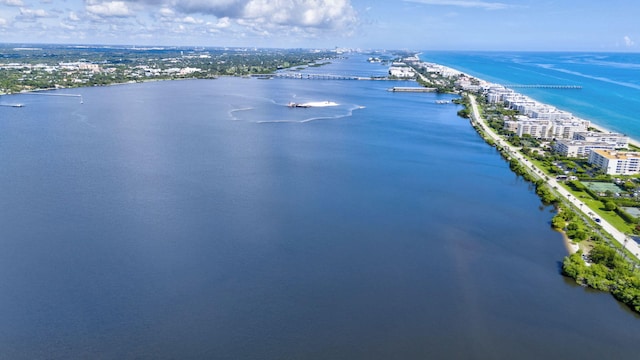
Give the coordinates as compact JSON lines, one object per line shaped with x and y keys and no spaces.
{"x":312,"y":104}
{"x":296,"y":105}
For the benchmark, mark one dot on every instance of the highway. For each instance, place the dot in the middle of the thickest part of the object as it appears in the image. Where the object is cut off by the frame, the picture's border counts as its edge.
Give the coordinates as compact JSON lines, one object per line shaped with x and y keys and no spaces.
{"x":619,"y":236}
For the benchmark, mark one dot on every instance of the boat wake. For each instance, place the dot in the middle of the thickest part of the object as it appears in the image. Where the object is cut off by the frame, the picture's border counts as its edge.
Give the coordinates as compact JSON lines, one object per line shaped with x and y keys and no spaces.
{"x":312,"y":104}
{"x":232,"y":113}
{"x":263,"y":110}
{"x":348,"y":113}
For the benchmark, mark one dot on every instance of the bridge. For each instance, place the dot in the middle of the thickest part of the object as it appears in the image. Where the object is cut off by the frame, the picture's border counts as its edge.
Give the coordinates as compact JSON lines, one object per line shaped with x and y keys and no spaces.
{"x":543,"y":86}
{"x":294,"y":75}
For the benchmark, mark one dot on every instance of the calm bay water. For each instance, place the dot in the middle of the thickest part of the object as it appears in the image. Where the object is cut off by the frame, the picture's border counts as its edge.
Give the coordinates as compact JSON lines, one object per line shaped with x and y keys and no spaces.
{"x":205,"y":219}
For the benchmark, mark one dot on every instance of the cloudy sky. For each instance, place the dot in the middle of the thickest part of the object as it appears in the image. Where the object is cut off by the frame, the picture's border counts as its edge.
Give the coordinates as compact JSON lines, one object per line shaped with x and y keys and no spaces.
{"x":392,"y":24}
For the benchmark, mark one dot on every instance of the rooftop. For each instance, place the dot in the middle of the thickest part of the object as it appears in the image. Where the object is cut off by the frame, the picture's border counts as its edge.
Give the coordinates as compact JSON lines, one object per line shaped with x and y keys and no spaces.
{"x":619,"y":155}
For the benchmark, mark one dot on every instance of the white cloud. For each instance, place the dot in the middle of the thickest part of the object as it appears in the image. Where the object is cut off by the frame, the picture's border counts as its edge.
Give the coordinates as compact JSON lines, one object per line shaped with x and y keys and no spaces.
{"x":318,"y":13}
{"x":226,"y":20}
{"x":464,"y":3}
{"x":628,"y":41}
{"x":26,"y":13}
{"x":3,"y":22}
{"x":67,"y":26}
{"x":223,"y":23}
{"x":191,"y":20}
{"x":109,"y":9}
{"x":73,"y":16}
{"x":296,"y":13}
{"x":219,"y":8}
{"x":12,"y":2}
{"x":166,"y":12}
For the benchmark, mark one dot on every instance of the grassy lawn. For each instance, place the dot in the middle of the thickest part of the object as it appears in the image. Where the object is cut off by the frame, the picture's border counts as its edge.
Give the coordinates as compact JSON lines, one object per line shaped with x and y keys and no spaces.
{"x":597,"y":208}
{"x":594,"y":206}
{"x":540,"y":165}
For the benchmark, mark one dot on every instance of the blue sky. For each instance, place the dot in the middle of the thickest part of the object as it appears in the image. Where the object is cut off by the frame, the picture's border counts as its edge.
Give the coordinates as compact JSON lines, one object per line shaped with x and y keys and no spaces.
{"x":391,"y":24}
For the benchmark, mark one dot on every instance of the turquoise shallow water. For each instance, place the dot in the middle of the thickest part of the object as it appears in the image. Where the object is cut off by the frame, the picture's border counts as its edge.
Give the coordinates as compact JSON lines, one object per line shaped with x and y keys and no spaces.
{"x":610,"y":94}
{"x":205,"y":219}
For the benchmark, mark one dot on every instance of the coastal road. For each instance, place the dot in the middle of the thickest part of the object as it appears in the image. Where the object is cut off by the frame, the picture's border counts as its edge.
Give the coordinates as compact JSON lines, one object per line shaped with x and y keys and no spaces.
{"x":619,"y":236}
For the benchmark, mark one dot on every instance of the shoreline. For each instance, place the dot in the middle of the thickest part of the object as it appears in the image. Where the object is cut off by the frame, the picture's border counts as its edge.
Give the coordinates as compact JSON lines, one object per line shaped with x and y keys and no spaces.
{"x":572,"y":247}
{"x":599,"y":127}
{"x":617,"y":235}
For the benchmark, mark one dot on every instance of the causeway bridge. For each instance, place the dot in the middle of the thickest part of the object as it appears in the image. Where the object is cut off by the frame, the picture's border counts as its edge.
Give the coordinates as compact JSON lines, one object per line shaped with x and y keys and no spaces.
{"x":294,"y":75}
{"x":305,"y":76}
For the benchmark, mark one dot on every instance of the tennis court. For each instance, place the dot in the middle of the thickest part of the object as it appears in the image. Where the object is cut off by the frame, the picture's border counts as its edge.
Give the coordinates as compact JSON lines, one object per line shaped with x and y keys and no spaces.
{"x":633,"y":211}
{"x":601,"y":187}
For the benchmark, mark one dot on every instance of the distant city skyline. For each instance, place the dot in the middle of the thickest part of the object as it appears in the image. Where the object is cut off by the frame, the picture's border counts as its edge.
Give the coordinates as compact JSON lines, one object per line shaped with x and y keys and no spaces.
{"x":518,"y":25}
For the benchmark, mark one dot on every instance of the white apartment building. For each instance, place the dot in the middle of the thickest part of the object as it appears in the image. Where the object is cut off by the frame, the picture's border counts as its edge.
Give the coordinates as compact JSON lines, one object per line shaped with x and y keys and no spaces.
{"x":619,"y":140}
{"x":616,"y":162}
{"x":89,"y":66}
{"x":547,"y":113}
{"x":536,"y":128}
{"x":564,"y":129}
{"x":513,"y":100}
{"x":521,"y":106}
{"x":80,"y":65}
{"x":466,"y":84}
{"x":546,"y":129}
{"x":496,"y":93}
{"x":440,"y":69}
{"x":579,"y":148}
{"x":402,"y":71}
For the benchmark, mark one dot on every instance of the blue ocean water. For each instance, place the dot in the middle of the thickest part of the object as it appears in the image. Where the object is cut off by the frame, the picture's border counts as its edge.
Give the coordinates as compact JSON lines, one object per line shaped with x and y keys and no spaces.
{"x":207,"y":220}
{"x":610,"y":94}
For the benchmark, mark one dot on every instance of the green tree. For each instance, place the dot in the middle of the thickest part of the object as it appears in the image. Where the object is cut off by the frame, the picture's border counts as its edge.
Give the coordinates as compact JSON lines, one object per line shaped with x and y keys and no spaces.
{"x":602,"y":254}
{"x":629,"y":185}
{"x":464,"y":113}
{"x":580,"y":235}
{"x":558,"y":222}
{"x":610,"y":206}
{"x":515,"y":140}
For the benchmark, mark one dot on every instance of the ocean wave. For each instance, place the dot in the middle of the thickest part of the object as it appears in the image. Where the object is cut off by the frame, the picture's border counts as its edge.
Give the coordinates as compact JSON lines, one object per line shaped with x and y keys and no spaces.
{"x":603,"y":60}
{"x":599,"y":78}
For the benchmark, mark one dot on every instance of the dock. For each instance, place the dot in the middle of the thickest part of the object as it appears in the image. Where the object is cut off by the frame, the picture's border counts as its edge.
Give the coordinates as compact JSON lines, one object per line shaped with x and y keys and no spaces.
{"x":414,"y":89}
